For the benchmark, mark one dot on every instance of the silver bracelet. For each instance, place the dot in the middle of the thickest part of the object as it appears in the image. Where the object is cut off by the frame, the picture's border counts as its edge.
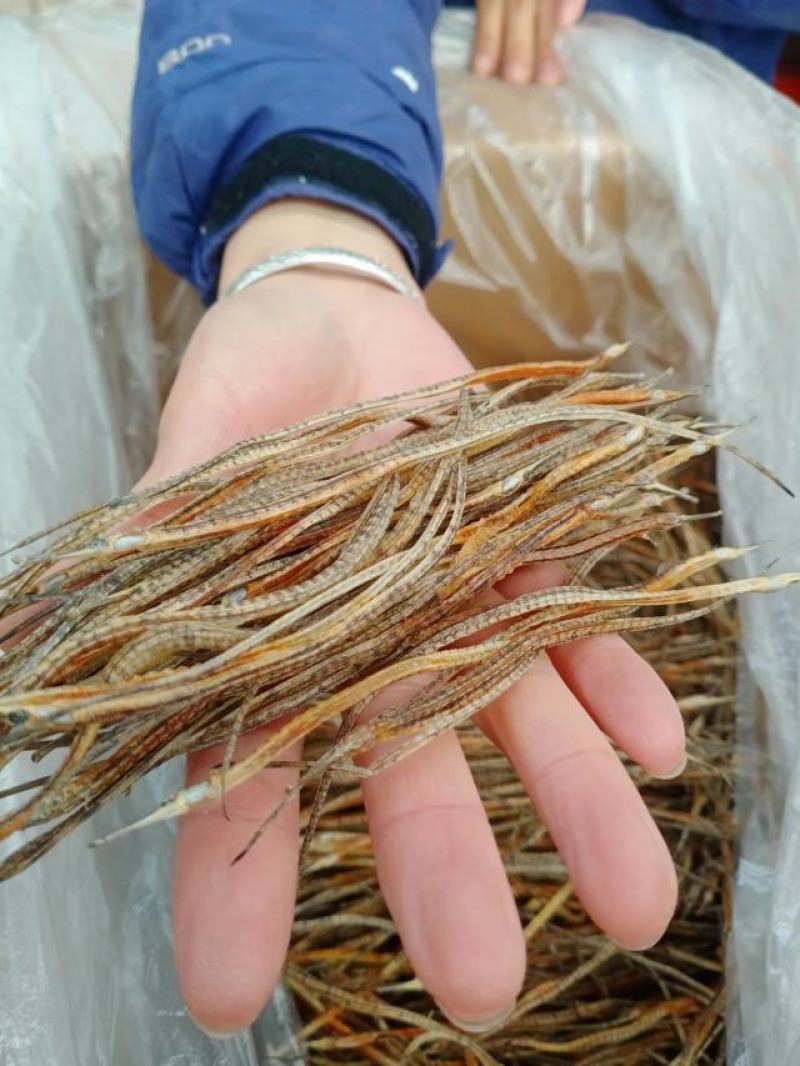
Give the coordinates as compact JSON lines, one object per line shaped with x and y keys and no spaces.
{"x":329,"y":259}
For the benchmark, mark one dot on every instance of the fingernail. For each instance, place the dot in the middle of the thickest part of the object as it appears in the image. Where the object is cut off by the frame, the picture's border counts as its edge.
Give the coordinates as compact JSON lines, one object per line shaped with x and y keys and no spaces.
{"x":483,"y":65}
{"x":642,"y":945}
{"x":549,"y":72}
{"x":569,"y":13}
{"x":217,"y":1036}
{"x":676,"y":771}
{"x":477,"y":1027}
{"x":519,"y":73}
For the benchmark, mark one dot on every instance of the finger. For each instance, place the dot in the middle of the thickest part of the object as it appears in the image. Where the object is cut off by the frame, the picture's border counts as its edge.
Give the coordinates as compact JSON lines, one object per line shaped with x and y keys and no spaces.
{"x":519,"y":41}
{"x":444,"y":881}
{"x":546,"y":67}
{"x":621,"y":691}
{"x":568,"y":12}
{"x":181,"y":443}
{"x":616,"y":857}
{"x":488,"y":37}
{"x":628,"y":699}
{"x":232,"y":922}
{"x":563,"y":14}
{"x":549,"y":70}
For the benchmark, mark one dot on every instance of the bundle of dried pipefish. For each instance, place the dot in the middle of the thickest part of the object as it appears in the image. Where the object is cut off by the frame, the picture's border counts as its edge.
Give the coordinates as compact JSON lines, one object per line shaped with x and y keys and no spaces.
{"x":584,"y":999}
{"x":296,"y":575}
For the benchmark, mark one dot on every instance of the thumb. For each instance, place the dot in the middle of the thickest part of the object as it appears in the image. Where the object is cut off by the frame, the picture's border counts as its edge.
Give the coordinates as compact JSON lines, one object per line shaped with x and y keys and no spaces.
{"x":198,"y":422}
{"x":569,"y":12}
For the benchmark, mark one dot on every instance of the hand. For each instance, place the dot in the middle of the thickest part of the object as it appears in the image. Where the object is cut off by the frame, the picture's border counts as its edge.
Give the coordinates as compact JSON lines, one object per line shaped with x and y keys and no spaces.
{"x":514,"y":38}
{"x":287,"y":348}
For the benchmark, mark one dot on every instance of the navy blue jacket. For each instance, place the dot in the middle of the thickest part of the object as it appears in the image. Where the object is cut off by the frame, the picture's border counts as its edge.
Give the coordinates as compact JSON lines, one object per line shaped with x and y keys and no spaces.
{"x":241,"y":102}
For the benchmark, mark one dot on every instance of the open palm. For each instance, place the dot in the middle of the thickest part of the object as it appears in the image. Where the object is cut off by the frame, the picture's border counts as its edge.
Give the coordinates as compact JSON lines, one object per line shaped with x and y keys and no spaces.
{"x":278,"y":353}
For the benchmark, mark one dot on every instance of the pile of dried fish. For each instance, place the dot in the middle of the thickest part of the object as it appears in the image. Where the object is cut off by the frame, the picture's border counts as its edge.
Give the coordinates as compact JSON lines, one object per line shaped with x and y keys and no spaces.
{"x":584,"y":1000}
{"x":296,"y":575}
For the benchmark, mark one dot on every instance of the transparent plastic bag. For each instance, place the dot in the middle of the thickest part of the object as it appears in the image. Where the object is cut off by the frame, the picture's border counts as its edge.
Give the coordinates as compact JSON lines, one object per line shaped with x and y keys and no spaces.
{"x":568,"y":235}
{"x":86,"y":970}
{"x":655,"y":197}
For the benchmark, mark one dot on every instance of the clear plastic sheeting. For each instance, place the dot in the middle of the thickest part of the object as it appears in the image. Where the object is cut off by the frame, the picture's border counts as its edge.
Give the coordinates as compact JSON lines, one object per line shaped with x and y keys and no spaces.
{"x":568,"y":234}
{"x":655,"y":197}
{"x":86,"y":970}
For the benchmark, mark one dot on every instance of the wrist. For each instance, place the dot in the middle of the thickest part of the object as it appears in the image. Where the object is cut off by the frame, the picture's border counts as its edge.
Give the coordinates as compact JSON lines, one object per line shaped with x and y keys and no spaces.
{"x":287,"y":225}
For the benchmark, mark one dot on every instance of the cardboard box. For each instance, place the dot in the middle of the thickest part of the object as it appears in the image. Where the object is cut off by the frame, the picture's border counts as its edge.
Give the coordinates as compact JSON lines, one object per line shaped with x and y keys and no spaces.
{"x":565,"y":240}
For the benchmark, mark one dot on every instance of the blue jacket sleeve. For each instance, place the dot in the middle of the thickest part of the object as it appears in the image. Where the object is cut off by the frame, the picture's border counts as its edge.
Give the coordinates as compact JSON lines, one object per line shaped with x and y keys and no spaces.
{"x":756,"y":14}
{"x":240,"y":102}
{"x":755,"y":42}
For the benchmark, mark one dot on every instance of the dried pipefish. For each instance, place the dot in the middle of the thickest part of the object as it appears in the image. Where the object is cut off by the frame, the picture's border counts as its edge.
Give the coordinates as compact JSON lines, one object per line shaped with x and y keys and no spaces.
{"x":393,"y":458}
{"x":298,"y":979}
{"x":627,"y":999}
{"x":302,"y":572}
{"x":97,"y":519}
{"x":349,"y":720}
{"x":498,"y":675}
